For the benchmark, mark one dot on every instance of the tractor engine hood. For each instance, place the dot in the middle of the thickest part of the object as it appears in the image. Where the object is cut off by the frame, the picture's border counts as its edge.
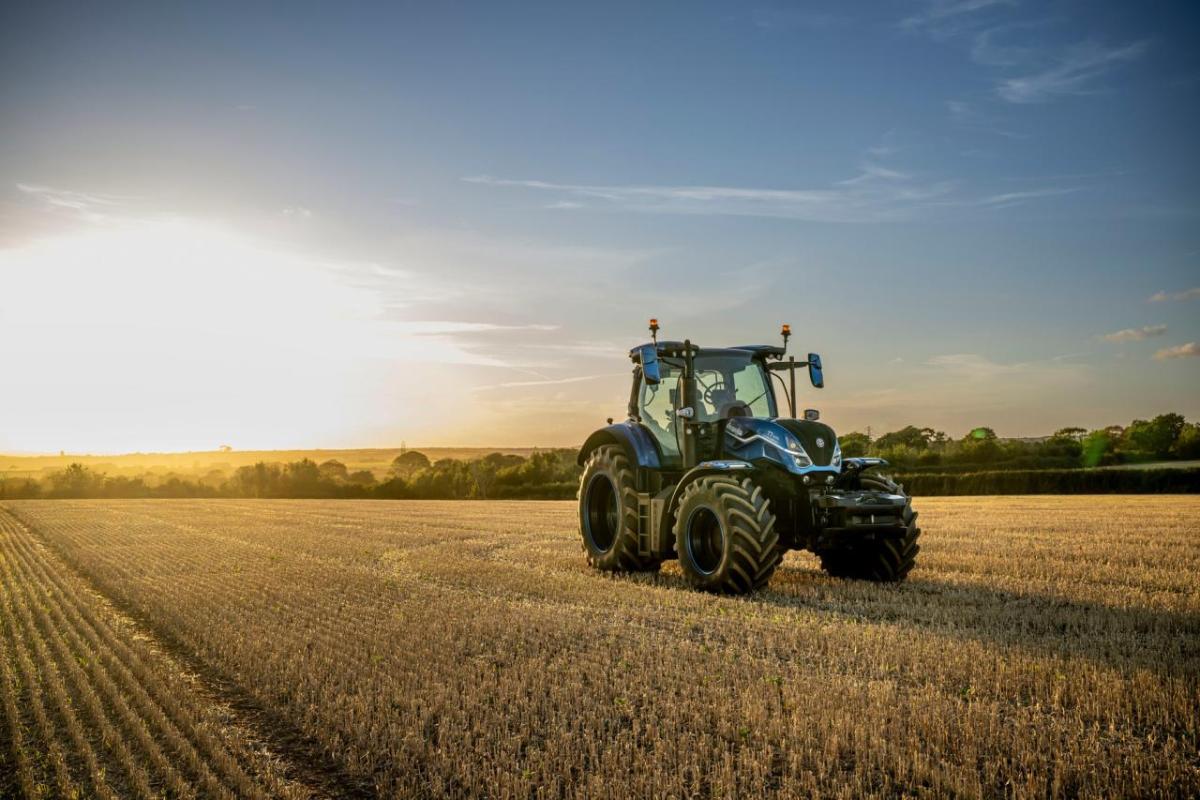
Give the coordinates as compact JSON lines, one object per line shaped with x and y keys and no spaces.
{"x":797,"y":445}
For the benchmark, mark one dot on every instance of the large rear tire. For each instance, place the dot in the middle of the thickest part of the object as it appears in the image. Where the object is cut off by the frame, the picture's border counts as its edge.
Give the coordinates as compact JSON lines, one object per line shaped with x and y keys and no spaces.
{"x":884,"y":560}
{"x":608,"y":513}
{"x":725,"y":535}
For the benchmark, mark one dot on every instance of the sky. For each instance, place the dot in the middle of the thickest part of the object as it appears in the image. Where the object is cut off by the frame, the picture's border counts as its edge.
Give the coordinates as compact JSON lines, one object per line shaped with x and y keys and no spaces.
{"x":359,"y":224}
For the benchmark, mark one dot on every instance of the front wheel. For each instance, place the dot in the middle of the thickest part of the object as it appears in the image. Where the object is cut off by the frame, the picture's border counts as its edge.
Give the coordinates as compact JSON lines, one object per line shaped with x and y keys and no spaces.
{"x":725,"y":535}
{"x":884,"y":560}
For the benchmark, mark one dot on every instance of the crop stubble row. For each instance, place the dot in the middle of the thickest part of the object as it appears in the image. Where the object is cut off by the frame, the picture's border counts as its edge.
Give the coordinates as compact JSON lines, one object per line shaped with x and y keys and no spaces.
{"x":1046,"y":646}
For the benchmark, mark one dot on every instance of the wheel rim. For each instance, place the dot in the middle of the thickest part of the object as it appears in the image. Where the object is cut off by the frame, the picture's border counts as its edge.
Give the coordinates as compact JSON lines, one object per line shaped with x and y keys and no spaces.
{"x":602,"y":514}
{"x":705,"y":540}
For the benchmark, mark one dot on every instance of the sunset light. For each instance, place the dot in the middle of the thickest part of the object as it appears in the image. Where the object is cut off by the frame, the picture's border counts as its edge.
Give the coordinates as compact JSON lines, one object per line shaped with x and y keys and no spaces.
{"x":704,"y":399}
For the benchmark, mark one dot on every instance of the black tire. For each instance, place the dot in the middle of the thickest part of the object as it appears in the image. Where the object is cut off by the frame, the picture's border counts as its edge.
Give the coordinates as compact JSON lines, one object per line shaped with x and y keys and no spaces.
{"x":608,"y":513}
{"x":725,"y":535}
{"x":884,"y":560}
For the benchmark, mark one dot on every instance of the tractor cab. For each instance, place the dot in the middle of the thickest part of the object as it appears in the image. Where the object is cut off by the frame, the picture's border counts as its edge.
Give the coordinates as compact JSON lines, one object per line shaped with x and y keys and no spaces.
{"x":728,"y":383}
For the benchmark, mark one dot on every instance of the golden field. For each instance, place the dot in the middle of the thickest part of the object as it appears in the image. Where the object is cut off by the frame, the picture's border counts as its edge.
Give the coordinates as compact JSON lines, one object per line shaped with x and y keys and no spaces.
{"x":1043,"y":647}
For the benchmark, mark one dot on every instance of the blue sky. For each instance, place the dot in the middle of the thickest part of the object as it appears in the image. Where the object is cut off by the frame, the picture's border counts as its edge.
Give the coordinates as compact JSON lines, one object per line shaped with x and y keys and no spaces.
{"x":350,"y":224}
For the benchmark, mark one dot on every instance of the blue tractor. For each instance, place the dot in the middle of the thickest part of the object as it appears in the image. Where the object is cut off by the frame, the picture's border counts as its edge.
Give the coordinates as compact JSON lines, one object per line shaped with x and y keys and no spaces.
{"x":710,"y":469}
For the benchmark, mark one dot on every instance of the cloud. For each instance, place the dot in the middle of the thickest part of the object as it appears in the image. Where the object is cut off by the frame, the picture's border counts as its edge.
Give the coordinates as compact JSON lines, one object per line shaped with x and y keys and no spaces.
{"x":440,"y":328}
{"x":875,"y":194}
{"x":87,"y":205}
{"x":298,"y":212}
{"x":986,"y":52}
{"x":1012,"y":198}
{"x":1186,"y":294}
{"x":1076,"y":69}
{"x":972,"y":365}
{"x":939,"y":13}
{"x":1189,"y":350}
{"x":1135,"y":334}
{"x":548,"y":381}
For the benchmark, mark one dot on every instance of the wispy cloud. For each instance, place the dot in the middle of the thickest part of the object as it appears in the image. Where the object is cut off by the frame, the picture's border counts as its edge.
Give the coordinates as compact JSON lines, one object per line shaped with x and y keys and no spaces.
{"x":548,"y":381}
{"x":1075,"y":72}
{"x":1189,"y":350}
{"x":876,"y":194}
{"x":1186,"y":294}
{"x":1135,"y":334}
{"x":94,"y":207}
{"x":1012,"y":198}
{"x":445,"y":327}
{"x":972,"y":365}
{"x":939,"y":13}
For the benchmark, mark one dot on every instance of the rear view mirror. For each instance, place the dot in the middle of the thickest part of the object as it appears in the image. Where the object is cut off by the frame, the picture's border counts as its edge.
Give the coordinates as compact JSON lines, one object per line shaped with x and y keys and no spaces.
{"x":814,"y":371}
{"x":650,"y":369}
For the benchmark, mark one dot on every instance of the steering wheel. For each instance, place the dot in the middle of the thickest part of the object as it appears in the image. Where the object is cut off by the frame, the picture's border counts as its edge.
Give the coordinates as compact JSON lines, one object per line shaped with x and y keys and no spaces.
{"x":709,"y":391}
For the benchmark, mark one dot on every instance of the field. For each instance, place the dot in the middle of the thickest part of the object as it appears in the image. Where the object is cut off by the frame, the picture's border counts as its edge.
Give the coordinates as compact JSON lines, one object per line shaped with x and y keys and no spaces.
{"x":1044,"y":647}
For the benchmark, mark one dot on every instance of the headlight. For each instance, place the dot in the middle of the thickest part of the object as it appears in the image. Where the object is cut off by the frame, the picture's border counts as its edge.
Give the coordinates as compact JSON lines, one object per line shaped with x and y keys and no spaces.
{"x":797,"y":452}
{"x":836,"y":461}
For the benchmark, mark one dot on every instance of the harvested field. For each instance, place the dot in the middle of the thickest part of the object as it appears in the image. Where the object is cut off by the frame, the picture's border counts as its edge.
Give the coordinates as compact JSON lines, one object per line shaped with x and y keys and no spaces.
{"x":1043,"y":647}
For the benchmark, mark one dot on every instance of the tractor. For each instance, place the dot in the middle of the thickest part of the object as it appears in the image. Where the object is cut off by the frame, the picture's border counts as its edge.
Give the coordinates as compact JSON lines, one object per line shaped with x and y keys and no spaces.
{"x":709,"y":470}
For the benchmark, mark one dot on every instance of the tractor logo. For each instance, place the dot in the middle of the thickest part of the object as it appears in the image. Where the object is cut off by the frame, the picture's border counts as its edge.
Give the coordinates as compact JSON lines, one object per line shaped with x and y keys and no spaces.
{"x":820,"y":443}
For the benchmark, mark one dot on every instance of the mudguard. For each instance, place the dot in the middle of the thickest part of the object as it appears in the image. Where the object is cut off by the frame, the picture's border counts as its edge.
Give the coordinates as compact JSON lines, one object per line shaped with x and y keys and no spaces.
{"x":631,"y":437}
{"x":729,"y":465}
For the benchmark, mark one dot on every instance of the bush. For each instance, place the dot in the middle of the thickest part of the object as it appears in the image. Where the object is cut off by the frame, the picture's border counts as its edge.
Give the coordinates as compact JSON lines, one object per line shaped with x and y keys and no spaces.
{"x":1054,"y":481}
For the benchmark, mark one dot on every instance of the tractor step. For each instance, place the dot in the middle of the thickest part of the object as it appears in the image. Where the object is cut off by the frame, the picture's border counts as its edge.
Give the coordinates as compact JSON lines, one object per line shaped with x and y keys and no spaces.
{"x":645,"y":523}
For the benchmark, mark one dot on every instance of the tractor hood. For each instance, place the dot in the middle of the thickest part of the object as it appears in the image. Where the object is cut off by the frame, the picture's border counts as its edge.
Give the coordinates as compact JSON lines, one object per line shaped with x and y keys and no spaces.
{"x":798,"y":445}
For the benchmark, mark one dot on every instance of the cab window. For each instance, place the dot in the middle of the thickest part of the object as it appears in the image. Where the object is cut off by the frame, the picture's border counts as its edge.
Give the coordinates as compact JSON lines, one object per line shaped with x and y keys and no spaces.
{"x":656,"y":407}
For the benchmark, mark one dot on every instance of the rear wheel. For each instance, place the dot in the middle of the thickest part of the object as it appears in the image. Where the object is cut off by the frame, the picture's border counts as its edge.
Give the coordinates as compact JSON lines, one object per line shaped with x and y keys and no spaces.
{"x":725,"y":535}
{"x":608,"y":513}
{"x":885,"y":559}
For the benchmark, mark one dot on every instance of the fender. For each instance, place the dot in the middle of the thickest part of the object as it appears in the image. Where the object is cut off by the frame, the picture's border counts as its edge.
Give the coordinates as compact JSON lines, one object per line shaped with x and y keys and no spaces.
{"x":630,"y":437}
{"x":727,"y":466}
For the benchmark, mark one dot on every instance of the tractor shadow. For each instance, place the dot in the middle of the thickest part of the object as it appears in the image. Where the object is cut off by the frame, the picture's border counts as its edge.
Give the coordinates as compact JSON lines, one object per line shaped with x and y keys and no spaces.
{"x":1121,"y":637}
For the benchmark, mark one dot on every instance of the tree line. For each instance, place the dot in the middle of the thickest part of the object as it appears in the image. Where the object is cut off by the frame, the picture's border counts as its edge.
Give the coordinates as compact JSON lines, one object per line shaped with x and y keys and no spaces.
{"x":1167,"y":437}
{"x":927,"y":460}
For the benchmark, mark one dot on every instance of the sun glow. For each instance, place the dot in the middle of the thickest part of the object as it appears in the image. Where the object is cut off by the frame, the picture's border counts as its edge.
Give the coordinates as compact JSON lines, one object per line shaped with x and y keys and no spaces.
{"x":175,"y":334}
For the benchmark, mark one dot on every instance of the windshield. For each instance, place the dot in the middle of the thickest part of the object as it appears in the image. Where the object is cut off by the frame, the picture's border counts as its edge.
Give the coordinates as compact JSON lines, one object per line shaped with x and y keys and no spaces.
{"x":727,"y":381}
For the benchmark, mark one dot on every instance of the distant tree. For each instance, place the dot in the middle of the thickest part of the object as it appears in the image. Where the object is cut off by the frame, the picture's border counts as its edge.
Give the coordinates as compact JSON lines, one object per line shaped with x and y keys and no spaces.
{"x":333,"y":469}
{"x":911,"y":437}
{"x":1074,"y":434}
{"x":409,"y":463}
{"x":1098,"y":446}
{"x":302,"y":478}
{"x":260,"y":480}
{"x":213,"y":478}
{"x":854,"y":445}
{"x":1156,"y":437}
{"x":980,"y":446}
{"x":362,"y":477}
{"x":1188,"y":444}
{"x":76,"y":481}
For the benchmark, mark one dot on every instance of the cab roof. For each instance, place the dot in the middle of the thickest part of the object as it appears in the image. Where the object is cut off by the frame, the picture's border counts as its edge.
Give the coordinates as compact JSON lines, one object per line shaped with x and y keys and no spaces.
{"x":670,"y":348}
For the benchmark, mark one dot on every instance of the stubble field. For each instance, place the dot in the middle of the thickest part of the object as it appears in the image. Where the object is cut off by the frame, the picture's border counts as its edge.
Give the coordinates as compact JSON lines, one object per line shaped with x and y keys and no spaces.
{"x":1043,"y":647}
